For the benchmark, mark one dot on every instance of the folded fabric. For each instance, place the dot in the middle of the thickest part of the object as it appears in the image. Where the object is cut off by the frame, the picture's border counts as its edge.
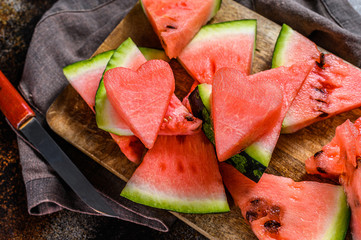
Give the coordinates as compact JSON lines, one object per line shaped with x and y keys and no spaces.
{"x":72,"y":30}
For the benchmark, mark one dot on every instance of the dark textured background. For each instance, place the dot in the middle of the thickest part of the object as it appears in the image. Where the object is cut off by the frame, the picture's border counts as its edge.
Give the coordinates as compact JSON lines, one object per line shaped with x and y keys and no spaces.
{"x":18,"y":19}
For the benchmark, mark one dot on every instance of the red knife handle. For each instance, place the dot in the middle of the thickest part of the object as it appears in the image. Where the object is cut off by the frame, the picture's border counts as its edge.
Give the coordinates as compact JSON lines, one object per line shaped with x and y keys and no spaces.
{"x":14,"y":107}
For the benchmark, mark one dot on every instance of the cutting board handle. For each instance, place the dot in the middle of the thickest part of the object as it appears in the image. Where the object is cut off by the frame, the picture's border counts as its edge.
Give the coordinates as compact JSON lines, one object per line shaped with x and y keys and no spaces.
{"x":14,"y":107}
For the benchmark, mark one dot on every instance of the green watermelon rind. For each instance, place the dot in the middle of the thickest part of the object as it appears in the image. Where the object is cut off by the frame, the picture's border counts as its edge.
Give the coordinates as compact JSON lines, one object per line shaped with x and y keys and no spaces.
{"x":80,"y":68}
{"x":223,"y":29}
{"x":152,"y":53}
{"x":338,"y":227}
{"x":143,"y":196}
{"x":251,"y":163}
{"x":254,"y":151}
{"x":122,"y":55}
{"x":280,"y":50}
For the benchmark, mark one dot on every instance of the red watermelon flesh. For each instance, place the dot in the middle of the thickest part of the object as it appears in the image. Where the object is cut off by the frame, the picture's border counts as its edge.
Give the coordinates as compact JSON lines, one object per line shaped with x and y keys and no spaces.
{"x":292,"y":47}
{"x":279,"y":208}
{"x":329,"y":90}
{"x":130,"y":146}
{"x":289,"y":80}
{"x":141,"y":98}
{"x":242,"y":111}
{"x":180,"y":173}
{"x":226,"y":44}
{"x":176,"y":22}
{"x":179,"y":120}
{"x":340,"y":159}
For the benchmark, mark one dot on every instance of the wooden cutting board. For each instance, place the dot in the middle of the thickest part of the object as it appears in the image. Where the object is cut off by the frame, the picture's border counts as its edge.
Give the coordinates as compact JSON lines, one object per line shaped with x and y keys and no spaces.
{"x":71,"y":118}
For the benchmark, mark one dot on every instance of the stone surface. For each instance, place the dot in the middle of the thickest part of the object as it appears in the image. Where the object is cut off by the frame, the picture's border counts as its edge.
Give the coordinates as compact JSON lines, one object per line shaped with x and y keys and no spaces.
{"x":18,"y":19}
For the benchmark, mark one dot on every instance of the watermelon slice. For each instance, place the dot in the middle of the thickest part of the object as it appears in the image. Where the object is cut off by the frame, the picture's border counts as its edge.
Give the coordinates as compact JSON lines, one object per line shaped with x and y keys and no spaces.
{"x":242,"y":110}
{"x":141,"y":97}
{"x":226,"y":44}
{"x":85,"y":75}
{"x":279,"y":208}
{"x":176,"y":121}
{"x":331,"y":88}
{"x":176,"y":22}
{"x":180,"y":173}
{"x":254,"y":160}
{"x":340,"y":159}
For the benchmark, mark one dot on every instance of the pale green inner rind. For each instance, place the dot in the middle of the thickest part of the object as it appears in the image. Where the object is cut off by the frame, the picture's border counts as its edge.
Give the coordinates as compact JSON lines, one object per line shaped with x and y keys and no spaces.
{"x":255,"y":151}
{"x":280,"y":50}
{"x":151,"y":199}
{"x":79,"y":68}
{"x":260,"y":154}
{"x":216,"y":6}
{"x":152,"y":53}
{"x":338,"y":228}
{"x":121,"y":57}
{"x":218,"y":30}
{"x":205,"y":91}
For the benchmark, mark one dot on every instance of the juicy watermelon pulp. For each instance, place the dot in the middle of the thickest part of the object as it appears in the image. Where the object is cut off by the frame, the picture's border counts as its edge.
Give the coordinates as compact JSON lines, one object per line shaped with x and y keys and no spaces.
{"x":279,"y":208}
{"x":241,"y":110}
{"x":332,"y":86}
{"x":226,"y":44}
{"x":176,"y":22}
{"x":180,"y":173}
{"x":141,"y":97}
{"x":340,"y":160}
{"x":255,"y":158}
{"x":85,"y":77}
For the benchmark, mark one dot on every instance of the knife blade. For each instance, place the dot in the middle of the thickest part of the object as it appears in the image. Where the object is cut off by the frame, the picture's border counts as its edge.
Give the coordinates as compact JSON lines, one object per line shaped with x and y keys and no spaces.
{"x":23,"y":118}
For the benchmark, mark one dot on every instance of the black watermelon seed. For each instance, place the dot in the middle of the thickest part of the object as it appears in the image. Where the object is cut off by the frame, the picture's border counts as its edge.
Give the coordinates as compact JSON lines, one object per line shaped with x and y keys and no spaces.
{"x":272,"y":226}
{"x":321,"y":170}
{"x":318,"y":154}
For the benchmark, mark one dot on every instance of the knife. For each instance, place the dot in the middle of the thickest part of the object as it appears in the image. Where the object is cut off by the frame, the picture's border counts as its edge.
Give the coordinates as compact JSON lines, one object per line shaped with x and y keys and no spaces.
{"x":22,"y":117}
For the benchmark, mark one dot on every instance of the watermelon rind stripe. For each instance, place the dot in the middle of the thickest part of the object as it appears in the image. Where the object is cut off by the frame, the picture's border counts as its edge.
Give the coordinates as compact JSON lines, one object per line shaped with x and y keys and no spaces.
{"x":252,"y":162}
{"x":280,"y":50}
{"x":338,"y":226}
{"x":80,"y":68}
{"x":224,"y":29}
{"x":216,"y":6}
{"x":152,"y":53}
{"x":142,"y":194}
{"x":122,"y":56}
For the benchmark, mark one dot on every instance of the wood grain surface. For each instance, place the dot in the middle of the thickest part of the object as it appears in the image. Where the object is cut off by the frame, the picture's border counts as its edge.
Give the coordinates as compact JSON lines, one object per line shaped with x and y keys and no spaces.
{"x":71,"y":118}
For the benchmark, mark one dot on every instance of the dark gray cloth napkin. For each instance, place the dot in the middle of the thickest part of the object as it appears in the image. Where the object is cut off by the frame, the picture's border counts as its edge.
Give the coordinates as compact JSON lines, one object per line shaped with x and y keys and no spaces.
{"x":72,"y":30}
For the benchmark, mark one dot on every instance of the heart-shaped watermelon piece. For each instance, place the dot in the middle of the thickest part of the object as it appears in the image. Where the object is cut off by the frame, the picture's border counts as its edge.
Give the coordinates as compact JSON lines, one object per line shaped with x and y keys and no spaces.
{"x":141,"y":97}
{"x":242,"y":111}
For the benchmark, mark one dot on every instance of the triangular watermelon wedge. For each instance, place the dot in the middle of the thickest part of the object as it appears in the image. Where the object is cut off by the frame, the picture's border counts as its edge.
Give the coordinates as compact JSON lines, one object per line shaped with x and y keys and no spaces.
{"x":340,"y":160}
{"x":128,"y":55}
{"x":254,"y":160}
{"x":227,"y":44}
{"x":180,"y":173}
{"x":176,"y":22}
{"x":242,"y":110}
{"x":332,"y":87}
{"x":279,"y":208}
{"x":85,"y":76}
{"x":141,"y":97}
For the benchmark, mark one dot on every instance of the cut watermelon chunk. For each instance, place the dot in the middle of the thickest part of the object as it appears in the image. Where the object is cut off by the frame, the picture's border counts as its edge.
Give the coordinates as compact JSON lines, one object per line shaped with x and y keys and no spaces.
{"x":242,"y":111}
{"x":332,"y":87}
{"x":85,"y":76}
{"x":279,"y":208}
{"x":340,"y":159}
{"x":141,"y":98}
{"x":180,"y":173}
{"x":292,"y":47}
{"x":126,"y":55}
{"x":226,"y":44}
{"x":177,"y":117}
{"x":254,"y":159}
{"x":176,"y":22}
